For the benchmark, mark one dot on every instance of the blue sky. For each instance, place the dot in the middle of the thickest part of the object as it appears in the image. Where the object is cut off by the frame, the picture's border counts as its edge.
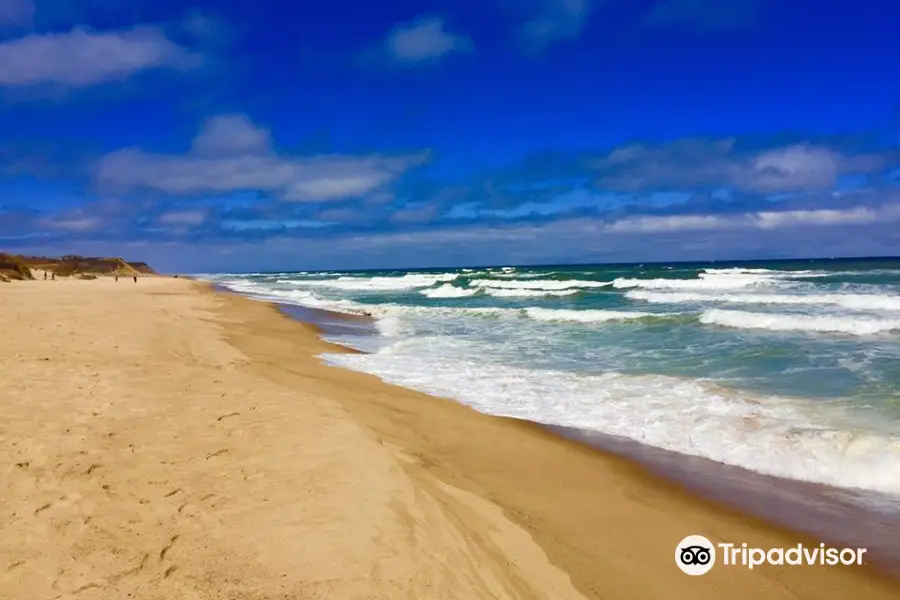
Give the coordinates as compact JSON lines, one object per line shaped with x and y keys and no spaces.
{"x":294,"y":135}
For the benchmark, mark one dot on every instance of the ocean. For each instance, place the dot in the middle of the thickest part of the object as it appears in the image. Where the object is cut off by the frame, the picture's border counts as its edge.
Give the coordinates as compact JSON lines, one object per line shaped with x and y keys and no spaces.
{"x":788,"y":369}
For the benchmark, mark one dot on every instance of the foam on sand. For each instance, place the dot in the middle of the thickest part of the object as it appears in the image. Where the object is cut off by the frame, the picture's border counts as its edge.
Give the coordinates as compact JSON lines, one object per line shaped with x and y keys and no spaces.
{"x":775,"y":436}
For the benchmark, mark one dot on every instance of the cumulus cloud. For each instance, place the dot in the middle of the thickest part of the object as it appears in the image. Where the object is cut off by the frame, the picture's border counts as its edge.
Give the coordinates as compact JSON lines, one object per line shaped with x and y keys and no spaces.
{"x":15,"y":12}
{"x":554,"y":243}
{"x":654,"y":224}
{"x":83,"y":57}
{"x":761,"y":220}
{"x":82,"y":224}
{"x":231,"y":135}
{"x":280,"y":233}
{"x":424,"y":40}
{"x":231,"y":154}
{"x":556,"y":20}
{"x":699,"y":163}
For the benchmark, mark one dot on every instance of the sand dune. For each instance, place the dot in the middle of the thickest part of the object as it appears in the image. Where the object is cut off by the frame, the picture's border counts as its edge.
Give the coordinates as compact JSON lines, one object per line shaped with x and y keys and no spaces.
{"x":163,"y":441}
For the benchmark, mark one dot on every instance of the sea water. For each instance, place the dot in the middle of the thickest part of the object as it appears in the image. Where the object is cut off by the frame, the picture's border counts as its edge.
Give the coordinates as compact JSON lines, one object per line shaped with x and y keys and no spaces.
{"x":786,"y":368}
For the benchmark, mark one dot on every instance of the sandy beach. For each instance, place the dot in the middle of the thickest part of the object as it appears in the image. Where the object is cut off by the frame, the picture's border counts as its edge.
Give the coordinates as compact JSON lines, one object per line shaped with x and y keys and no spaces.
{"x":161,"y":440}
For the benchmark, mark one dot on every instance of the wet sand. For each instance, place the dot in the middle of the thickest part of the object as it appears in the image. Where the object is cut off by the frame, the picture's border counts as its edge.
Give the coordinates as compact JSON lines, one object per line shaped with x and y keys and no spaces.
{"x":160,"y":440}
{"x":843,"y":518}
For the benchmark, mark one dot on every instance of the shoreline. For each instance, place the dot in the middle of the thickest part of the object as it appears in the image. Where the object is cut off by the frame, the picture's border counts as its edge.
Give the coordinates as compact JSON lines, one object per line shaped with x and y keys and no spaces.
{"x":200,"y":447}
{"x":830,"y":514}
{"x":823,"y":513}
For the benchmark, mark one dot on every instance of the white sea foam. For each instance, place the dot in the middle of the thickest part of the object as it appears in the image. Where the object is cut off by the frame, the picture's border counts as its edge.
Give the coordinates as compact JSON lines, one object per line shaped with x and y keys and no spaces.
{"x":383,"y":284}
{"x":514,"y":274}
{"x":391,"y":326}
{"x":539,"y":284}
{"x":767,"y":272}
{"x":526,"y":293}
{"x":296,"y":297}
{"x":584,"y":316}
{"x":741,"y":271}
{"x":448,"y":291}
{"x":775,"y":436}
{"x":809,"y":323}
{"x":380,"y":311}
{"x":721,"y":279}
{"x":718,"y":282}
{"x":860,"y":302}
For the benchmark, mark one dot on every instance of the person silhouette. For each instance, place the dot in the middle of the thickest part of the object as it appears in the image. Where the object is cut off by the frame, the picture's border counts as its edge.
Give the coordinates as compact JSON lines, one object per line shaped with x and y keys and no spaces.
{"x":135,"y":278}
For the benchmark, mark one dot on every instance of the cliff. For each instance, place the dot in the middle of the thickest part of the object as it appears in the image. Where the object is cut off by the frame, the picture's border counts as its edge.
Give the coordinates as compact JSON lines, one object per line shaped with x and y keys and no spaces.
{"x":12,"y":267}
{"x":19,"y":267}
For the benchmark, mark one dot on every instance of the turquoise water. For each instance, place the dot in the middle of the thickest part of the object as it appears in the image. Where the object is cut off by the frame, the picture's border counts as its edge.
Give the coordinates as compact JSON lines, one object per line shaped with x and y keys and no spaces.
{"x":790,"y":368}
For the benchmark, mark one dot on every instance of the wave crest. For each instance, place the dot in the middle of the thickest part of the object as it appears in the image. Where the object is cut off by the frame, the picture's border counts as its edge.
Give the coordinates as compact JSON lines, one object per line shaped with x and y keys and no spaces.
{"x":863,"y":302}
{"x":585,"y":316}
{"x":789,"y":323}
{"x":539,"y":284}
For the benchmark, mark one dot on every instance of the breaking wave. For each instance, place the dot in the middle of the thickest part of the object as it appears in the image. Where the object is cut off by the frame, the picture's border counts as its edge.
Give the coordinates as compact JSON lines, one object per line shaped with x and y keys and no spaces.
{"x":861,"y":302}
{"x":385,"y":284}
{"x":585,"y":316}
{"x":808,"y":323}
{"x":448,"y":291}
{"x":540,"y":284}
{"x":772,"y":435}
{"x":526,"y":293}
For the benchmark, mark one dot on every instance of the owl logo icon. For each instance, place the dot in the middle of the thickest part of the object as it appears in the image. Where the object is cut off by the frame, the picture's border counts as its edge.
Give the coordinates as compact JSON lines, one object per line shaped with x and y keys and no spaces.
{"x":695,"y":555}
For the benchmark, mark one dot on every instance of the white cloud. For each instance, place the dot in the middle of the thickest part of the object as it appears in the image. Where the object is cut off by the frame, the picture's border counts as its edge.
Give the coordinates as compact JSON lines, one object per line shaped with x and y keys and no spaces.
{"x":654,"y":224}
{"x":16,"y":12}
{"x":230,"y":135}
{"x":556,"y":20}
{"x":793,"y":167}
{"x":424,"y":40}
{"x":228,"y":155}
{"x":698,"y":163}
{"x":763,"y":220}
{"x":74,"y":224}
{"x":826,"y":232}
{"x":860,"y":215}
{"x":82,"y":57}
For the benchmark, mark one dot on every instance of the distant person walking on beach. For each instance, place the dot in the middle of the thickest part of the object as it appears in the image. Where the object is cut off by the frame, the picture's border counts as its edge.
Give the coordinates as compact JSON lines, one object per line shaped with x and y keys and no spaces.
{"x":45,"y":275}
{"x":135,"y":278}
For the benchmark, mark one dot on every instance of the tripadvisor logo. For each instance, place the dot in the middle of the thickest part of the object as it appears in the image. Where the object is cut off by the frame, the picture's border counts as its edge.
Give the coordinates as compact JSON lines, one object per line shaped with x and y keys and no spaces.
{"x":696,"y":555}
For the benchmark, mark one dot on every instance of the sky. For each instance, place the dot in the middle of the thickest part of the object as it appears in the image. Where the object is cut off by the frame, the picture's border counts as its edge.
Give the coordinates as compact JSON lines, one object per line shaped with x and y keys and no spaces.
{"x":281,"y":135}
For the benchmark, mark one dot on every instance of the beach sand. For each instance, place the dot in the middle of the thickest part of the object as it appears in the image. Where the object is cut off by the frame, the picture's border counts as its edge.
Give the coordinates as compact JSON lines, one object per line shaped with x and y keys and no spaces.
{"x":160,"y":440}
